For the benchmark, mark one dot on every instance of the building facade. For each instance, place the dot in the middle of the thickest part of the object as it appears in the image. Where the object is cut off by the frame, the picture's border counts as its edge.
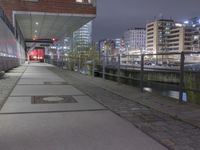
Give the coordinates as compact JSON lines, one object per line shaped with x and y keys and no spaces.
{"x":135,"y":40}
{"x":112,"y":47}
{"x":49,"y":21}
{"x":156,"y":35}
{"x":82,"y":38}
{"x":180,"y":39}
{"x":164,"y":36}
{"x":195,"y":23}
{"x":107,"y":47}
{"x":11,"y":7}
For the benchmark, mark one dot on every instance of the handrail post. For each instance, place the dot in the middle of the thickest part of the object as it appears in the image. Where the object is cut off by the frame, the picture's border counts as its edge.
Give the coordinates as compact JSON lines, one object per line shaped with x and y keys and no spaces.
{"x":118,"y":69}
{"x":93,"y":68}
{"x":181,"y":84}
{"x":103,"y":67}
{"x":142,"y":72}
{"x":79,"y":63}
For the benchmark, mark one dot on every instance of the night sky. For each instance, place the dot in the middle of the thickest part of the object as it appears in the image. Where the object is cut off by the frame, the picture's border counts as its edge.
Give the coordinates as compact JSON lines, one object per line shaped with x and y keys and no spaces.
{"x":116,"y":16}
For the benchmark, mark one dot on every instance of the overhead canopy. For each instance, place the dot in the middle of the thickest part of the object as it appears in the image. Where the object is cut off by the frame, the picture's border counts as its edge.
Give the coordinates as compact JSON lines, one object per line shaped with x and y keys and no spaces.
{"x":38,"y":25}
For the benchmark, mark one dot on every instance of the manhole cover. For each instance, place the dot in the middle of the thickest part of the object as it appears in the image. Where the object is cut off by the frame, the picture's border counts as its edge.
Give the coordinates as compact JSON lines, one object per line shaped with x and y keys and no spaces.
{"x":52,"y":99}
{"x":55,"y":83}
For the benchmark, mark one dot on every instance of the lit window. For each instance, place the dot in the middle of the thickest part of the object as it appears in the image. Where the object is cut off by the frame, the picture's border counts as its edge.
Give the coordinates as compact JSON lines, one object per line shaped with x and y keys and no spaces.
{"x":79,"y":1}
{"x":31,"y":0}
{"x":84,"y":1}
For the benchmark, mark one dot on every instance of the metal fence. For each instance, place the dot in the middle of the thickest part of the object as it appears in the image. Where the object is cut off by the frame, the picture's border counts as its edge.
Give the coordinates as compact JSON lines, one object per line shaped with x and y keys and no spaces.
{"x":79,"y":63}
{"x":117,"y":66}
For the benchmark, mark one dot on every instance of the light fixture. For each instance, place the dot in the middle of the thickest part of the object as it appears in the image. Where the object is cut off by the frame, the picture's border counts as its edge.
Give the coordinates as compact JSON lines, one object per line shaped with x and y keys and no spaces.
{"x":53,"y":39}
{"x":37,"y":23}
{"x":178,"y":25}
{"x":36,"y":31}
{"x":186,"y":22}
{"x":34,"y":37}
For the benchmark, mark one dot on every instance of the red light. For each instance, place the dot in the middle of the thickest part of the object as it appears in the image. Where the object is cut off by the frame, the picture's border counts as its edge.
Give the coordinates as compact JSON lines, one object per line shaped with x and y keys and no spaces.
{"x":36,"y":54}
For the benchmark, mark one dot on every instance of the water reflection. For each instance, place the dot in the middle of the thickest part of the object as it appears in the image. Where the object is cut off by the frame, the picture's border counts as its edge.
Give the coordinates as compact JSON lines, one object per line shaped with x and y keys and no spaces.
{"x":169,"y":93}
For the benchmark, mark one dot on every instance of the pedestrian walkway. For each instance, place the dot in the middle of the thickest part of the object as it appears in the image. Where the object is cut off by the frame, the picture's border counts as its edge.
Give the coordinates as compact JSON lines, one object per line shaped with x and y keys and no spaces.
{"x":46,"y":112}
{"x":187,"y":112}
{"x":8,"y":81}
{"x":157,"y":116}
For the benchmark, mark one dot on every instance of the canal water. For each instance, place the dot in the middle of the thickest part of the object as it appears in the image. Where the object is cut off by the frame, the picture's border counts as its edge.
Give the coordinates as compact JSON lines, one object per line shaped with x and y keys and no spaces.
{"x":167,"y":93}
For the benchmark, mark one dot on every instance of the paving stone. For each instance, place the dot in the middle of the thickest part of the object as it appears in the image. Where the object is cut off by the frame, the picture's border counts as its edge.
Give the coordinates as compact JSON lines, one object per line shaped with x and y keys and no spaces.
{"x":184,"y":147}
{"x":25,"y":125}
{"x":168,"y":142}
{"x":168,"y":130}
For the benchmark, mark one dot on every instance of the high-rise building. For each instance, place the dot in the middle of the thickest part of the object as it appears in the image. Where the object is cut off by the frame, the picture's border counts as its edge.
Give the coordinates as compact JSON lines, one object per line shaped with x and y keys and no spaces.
{"x":135,"y":40}
{"x":156,"y":35}
{"x":166,"y":35}
{"x":109,"y":50}
{"x":180,"y":39}
{"x":109,"y":47}
{"x":117,"y":43}
{"x":82,"y":38}
{"x":195,"y":23}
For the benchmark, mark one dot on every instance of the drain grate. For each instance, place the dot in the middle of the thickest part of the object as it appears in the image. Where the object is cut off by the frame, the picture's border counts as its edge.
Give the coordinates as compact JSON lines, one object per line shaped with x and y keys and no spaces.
{"x":52,"y":99}
{"x":55,"y":83}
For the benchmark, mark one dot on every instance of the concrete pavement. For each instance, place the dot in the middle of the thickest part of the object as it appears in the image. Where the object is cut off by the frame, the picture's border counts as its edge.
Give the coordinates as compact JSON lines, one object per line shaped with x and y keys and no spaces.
{"x":8,"y":81}
{"x":46,"y":112}
{"x":158,"y":116}
{"x":189,"y":113}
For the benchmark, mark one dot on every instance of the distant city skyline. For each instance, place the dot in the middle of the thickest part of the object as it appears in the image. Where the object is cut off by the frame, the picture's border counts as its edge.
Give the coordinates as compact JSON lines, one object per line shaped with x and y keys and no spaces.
{"x":116,"y":16}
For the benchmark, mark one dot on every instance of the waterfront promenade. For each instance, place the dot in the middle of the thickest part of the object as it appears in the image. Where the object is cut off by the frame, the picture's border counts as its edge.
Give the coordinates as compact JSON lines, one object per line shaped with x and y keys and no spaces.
{"x":44,"y":107}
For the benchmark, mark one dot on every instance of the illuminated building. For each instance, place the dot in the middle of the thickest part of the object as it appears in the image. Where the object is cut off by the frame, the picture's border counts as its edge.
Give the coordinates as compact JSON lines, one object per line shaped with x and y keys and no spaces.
{"x":82,"y":38}
{"x":135,"y":40}
{"x":166,"y":35}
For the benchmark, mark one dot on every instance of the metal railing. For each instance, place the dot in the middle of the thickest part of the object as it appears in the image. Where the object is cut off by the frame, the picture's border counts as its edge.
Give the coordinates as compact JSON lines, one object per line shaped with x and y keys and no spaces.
{"x":138,"y":67}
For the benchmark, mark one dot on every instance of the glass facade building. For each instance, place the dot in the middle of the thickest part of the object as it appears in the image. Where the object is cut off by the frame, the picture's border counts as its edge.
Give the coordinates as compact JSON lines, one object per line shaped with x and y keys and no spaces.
{"x":82,"y":38}
{"x":195,"y":23}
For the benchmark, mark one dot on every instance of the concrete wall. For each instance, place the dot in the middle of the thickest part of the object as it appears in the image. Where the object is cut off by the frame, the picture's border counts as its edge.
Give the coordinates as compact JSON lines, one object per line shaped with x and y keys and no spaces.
{"x":11,"y":52}
{"x":192,"y":80}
